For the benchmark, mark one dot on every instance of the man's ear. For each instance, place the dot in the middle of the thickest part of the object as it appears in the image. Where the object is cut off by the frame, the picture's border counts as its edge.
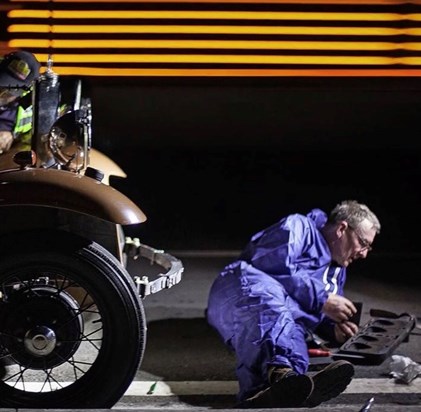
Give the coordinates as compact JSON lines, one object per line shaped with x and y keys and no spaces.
{"x":341,"y":228}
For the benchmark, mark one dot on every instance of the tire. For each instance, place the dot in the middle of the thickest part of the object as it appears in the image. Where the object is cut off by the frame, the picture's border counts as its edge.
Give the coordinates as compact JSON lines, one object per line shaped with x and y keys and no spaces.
{"x":71,"y":322}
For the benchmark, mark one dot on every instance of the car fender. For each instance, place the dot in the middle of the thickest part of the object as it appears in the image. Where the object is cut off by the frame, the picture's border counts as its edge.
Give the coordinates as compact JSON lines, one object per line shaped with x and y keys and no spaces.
{"x":69,"y":191}
{"x":100,"y":161}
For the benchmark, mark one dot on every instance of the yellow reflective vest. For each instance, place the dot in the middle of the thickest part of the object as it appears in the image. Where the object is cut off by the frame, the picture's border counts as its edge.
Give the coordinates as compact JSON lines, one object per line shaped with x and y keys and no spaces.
{"x":23,"y":120}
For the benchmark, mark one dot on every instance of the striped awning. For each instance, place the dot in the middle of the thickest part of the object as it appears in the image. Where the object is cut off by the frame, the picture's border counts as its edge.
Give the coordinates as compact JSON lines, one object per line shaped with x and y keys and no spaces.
{"x":220,"y":38}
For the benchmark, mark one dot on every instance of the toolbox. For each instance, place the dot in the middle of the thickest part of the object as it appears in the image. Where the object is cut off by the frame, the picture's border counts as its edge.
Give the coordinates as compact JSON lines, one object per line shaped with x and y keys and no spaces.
{"x":377,"y":339}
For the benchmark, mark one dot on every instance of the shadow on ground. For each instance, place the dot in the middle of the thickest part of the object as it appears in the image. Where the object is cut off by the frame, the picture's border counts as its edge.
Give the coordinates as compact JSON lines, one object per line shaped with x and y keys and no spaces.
{"x":181,"y":349}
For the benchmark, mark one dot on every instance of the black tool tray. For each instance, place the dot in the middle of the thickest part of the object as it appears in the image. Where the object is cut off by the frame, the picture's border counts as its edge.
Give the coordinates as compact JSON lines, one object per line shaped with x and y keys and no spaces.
{"x":377,"y":339}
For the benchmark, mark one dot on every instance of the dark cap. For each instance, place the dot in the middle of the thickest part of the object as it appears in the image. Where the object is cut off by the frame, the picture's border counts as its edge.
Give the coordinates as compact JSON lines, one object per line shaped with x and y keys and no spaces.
{"x":18,"y":69}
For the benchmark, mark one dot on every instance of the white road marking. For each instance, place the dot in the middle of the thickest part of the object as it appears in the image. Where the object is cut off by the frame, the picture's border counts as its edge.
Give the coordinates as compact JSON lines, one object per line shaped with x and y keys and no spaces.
{"x":174,"y":388}
{"x":382,"y":386}
{"x":178,"y":388}
{"x":169,"y":388}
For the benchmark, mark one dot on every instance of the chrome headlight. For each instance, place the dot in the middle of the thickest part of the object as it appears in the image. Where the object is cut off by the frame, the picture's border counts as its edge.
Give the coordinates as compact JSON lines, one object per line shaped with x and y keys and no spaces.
{"x":67,"y":141}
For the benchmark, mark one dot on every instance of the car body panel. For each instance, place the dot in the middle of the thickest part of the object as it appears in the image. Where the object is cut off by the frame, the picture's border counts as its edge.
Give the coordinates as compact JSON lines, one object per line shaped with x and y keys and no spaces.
{"x":66,"y":190}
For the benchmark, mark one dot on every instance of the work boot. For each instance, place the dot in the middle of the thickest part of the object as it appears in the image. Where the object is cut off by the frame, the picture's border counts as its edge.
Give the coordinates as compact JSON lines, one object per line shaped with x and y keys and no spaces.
{"x":287,"y":390}
{"x":330,"y":382}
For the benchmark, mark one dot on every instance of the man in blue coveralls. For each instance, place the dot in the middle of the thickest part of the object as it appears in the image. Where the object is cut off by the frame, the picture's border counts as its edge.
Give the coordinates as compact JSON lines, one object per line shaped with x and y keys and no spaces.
{"x":289,"y":280}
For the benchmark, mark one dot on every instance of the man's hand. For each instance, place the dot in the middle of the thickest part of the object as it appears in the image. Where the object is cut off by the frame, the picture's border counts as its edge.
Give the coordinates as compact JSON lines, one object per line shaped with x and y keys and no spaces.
{"x":338,"y":308}
{"x":6,"y":140}
{"x":345,"y":330}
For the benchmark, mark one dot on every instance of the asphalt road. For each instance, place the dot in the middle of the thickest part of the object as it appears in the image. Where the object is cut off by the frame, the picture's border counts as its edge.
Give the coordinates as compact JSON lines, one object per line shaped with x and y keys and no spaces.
{"x":187,"y":367}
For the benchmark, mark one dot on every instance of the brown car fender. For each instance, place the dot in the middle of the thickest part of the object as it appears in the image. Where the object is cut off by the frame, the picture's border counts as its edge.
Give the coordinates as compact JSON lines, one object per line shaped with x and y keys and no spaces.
{"x":68,"y":191}
{"x":100,"y":161}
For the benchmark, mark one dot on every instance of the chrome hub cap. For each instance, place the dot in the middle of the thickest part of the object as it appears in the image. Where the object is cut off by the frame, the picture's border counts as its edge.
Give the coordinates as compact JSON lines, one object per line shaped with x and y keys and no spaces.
{"x":40,"y":341}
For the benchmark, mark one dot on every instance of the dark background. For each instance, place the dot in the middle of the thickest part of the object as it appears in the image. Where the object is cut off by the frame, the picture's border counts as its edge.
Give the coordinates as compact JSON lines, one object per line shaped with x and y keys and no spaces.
{"x":211,"y":161}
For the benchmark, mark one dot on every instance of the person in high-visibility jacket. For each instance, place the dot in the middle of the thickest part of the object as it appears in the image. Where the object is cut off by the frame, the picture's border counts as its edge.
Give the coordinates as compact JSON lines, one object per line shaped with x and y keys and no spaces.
{"x":18,"y":70}
{"x":289,"y":281}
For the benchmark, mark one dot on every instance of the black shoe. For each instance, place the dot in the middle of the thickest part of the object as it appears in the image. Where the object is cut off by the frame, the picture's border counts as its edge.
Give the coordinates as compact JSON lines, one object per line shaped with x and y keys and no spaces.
{"x":290,"y":391}
{"x":330,"y":382}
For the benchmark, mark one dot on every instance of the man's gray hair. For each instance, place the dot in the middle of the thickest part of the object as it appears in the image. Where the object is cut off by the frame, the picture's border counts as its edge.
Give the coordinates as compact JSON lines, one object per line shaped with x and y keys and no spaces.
{"x":354,"y":213}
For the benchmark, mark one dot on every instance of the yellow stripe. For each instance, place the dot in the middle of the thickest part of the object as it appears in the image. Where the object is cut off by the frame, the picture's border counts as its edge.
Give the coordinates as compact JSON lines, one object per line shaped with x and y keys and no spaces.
{"x":337,"y":2}
{"x":93,"y":71}
{"x":252,"y":30}
{"x":229,"y":59}
{"x":216,"y":44}
{"x":219,"y":15}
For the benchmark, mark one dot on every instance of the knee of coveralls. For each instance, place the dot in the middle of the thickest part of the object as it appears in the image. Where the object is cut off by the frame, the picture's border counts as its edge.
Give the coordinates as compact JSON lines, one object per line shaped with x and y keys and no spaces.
{"x":222,"y":299}
{"x":251,"y":311}
{"x":282,"y":345}
{"x":265,"y":333}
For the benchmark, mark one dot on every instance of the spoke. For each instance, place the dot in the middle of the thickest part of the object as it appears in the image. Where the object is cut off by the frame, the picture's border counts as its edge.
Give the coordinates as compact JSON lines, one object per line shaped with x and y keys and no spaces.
{"x":10,"y":355}
{"x":5,"y":356}
{"x":80,"y":320}
{"x":80,"y":362}
{"x":75,"y":367}
{"x":8,"y":335}
{"x":49,"y":379}
{"x":21,"y":378}
{"x":65,"y":283}
{"x":91,"y":341}
{"x":72,"y":363}
{"x":76,"y":364}
{"x":86,"y":308}
{"x":85,"y":337}
{"x":82,"y":340}
{"x":20,"y":373}
{"x":80,"y":312}
{"x":84,"y":300}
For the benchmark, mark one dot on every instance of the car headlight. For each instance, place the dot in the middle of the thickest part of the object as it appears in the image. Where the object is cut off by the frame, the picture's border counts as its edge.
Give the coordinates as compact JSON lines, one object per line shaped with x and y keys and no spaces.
{"x":66,"y":142}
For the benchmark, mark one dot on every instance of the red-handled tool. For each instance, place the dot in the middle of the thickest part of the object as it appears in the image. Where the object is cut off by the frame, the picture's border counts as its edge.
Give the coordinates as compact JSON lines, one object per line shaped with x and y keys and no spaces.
{"x":319,"y":353}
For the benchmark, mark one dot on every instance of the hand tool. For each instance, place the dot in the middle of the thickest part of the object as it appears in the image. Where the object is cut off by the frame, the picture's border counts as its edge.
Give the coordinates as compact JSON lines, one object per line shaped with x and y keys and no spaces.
{"x":324,"y":353}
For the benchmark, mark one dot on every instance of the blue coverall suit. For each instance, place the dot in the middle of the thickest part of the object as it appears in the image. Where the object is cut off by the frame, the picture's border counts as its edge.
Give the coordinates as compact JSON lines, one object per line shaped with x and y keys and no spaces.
{"x":264,"y":303}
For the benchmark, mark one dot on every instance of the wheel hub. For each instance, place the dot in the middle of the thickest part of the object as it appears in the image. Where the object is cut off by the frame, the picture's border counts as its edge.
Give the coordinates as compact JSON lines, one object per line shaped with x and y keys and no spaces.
{"x":41,"y":326}
{"x":40,"y":341}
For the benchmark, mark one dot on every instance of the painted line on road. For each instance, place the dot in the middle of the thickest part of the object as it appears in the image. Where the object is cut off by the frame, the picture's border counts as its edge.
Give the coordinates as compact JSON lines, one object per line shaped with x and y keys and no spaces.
{"x":175,"y":388}
{"x":169,"y":388}
{"x":179,"y":388}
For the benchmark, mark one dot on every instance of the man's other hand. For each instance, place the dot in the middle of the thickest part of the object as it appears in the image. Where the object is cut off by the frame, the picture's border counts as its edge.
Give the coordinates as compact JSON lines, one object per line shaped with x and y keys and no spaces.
{"x":345,"y":330}
{"x":338,"y":308}
{"x":6,"y":140}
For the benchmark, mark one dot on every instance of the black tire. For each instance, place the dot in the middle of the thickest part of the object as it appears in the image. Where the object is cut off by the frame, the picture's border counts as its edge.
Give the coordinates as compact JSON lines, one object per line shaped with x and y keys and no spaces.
{"x":69,"y":312}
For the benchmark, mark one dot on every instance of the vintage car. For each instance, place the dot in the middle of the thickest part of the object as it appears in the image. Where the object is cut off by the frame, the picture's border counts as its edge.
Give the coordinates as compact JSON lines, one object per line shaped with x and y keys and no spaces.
{"x":72,"y":324}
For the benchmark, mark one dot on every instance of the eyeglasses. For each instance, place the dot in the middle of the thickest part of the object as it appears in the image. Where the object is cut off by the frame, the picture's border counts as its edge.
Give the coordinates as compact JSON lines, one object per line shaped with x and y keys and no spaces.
{"x":364,"y":243}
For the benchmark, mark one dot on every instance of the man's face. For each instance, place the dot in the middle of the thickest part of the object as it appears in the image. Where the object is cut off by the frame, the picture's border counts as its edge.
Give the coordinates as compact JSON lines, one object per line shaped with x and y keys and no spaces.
{"x":352,"y":243}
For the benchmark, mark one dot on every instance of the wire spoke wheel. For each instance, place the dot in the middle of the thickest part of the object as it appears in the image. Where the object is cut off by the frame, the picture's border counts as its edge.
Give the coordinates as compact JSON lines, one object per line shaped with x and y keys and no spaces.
{"x":72,"y":328}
